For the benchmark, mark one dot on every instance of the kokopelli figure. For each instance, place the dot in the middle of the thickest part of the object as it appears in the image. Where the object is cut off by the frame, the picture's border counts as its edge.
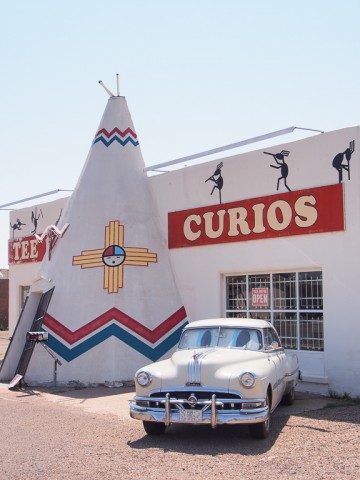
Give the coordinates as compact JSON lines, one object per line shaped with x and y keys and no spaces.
{"x":282,"y":165}
{"x":17,"y":226}
{"x":338,"y":164}
{"x":34,"y":220}
{"x":218,"y":180}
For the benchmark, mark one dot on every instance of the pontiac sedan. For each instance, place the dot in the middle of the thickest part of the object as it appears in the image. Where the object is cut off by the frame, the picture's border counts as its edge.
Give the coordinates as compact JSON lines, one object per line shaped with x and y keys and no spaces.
{"x":225,"y":371}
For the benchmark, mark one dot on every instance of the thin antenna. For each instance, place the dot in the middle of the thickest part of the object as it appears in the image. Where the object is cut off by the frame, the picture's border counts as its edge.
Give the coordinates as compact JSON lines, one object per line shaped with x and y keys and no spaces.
{"x":117,"y":84}
{"x":108,"y":91}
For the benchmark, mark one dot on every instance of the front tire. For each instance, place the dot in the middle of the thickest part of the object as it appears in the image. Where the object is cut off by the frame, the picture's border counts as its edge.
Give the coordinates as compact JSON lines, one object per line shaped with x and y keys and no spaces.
{"x":261,"y":430}
{"x":154,"y":428}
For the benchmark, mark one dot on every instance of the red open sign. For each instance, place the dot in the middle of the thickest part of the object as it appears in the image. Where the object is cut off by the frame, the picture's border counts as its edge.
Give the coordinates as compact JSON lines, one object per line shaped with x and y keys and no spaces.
{"x":260,"y":297}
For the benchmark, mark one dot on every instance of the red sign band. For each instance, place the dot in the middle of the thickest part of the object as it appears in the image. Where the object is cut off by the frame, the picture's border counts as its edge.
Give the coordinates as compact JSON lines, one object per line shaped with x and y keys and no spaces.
{"x":315,"y":210}
{"x":26,"y":250}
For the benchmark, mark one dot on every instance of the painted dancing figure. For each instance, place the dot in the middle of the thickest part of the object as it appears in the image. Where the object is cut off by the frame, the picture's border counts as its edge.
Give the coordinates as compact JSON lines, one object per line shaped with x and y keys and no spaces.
{"x":218,"y":180}
{"x":282,"y":165}
{"x":17,"y":226}
{"x":338,"y":164}
{"x":34,"y":220}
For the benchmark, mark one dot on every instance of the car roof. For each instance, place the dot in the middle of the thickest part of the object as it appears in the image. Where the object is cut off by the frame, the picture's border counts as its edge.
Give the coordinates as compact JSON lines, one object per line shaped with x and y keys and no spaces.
{"x":229,"y":322}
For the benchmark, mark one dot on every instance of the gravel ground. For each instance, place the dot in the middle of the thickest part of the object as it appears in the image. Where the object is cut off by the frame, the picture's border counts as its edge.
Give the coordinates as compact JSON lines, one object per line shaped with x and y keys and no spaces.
{"x":64,"y":436}
{"x":88,"y":434}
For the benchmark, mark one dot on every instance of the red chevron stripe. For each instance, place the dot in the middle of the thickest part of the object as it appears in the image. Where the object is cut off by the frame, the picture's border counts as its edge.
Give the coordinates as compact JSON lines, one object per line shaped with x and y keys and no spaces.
{"x":116,"y":130}
{"x":114,"y":314}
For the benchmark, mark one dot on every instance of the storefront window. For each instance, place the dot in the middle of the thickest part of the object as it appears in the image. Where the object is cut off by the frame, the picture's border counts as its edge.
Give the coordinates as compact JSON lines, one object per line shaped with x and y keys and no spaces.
{"x":293,"y":302}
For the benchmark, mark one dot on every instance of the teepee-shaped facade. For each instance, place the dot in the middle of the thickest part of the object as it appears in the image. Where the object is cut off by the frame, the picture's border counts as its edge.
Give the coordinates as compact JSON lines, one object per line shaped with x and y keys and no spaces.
{"x":115,"y":305}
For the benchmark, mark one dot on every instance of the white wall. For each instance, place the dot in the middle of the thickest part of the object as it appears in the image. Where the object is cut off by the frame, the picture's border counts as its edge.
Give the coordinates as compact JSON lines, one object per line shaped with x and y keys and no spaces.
{"x":199,"y":270}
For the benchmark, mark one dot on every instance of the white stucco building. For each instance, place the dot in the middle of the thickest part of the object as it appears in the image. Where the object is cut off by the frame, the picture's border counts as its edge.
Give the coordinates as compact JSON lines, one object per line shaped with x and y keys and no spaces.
{"x":271,"y":233}
{"x":271,"y":241}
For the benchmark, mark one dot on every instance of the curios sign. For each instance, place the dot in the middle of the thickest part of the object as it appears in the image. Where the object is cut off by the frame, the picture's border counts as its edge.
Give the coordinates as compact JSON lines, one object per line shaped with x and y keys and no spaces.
{"x":315,"y":210}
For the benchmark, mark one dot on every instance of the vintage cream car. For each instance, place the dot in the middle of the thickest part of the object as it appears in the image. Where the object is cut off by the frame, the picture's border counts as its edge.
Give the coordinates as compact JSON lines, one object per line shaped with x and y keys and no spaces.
{"x":225,"y":371}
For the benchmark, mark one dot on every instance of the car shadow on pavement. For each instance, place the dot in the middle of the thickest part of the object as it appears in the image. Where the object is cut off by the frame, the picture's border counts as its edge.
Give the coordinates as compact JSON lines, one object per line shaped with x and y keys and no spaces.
{"x":225,"y":439}
{"x":203,"y":440}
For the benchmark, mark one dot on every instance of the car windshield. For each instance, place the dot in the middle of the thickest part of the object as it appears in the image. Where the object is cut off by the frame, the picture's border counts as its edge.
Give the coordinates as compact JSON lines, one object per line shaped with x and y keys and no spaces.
{"x":223,"y":337}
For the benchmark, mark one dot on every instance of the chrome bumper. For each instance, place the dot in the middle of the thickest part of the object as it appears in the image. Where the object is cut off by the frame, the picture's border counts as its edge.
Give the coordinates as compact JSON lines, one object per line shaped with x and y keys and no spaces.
{"x":212,"y":413}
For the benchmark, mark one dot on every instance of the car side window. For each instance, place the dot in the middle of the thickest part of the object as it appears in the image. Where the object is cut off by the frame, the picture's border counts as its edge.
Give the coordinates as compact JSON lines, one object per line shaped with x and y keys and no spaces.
{"x":276,"y":338}
{"x":270,"y":336}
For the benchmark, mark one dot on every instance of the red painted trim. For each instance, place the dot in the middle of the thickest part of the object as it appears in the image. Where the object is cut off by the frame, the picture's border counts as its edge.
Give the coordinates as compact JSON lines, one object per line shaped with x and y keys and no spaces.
{"x":116,"y":130}
{"x":107,"y":317}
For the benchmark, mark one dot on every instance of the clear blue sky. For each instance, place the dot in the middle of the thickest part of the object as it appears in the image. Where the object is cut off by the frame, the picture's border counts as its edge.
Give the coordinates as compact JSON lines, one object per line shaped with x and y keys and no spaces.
{"x":196,"y":74}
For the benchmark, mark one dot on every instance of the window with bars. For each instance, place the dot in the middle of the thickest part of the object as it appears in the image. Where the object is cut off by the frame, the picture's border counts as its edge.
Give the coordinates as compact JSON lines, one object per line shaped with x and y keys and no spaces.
{"x":293,"y":302}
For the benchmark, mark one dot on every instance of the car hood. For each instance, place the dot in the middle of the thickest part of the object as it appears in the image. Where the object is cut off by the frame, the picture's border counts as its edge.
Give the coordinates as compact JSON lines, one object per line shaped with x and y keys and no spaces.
{"x":205,"y":367}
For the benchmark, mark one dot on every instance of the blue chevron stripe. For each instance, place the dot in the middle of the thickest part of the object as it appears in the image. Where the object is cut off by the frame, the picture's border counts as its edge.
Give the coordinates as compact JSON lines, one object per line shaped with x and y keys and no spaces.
{"x":153,"y":354}
{"x":118,"y":139}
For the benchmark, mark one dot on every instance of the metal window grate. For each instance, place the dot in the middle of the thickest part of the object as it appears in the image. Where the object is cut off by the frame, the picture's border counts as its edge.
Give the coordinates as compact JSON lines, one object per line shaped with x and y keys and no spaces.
{"x":286,"y":326}
{"x":284,"y":287}
{"x":236,"y":293}
{"x":310,"y":291}
{"x":311,"y":331}
{"x":295,"y":307}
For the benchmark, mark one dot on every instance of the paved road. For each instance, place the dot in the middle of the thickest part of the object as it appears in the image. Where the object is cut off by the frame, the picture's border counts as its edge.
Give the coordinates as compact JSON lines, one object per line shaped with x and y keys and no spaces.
{"x":87,"y":434}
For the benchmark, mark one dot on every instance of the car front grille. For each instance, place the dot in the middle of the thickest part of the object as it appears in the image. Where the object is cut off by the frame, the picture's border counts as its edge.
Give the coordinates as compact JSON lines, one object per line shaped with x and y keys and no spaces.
{"x":194,"y":399}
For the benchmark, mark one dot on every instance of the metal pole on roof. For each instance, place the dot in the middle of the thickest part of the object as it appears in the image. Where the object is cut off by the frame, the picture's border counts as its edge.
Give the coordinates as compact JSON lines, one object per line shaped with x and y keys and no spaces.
{"x":34,"y":196}
{"x":106,"y":89}
{"x":229,"y":147}
{"x":117,"y":85}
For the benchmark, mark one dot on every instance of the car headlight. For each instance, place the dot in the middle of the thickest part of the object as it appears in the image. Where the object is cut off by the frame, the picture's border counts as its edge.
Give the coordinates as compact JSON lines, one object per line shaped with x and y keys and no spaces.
{"x":143,"y":378}
{"x":247,"y":379}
